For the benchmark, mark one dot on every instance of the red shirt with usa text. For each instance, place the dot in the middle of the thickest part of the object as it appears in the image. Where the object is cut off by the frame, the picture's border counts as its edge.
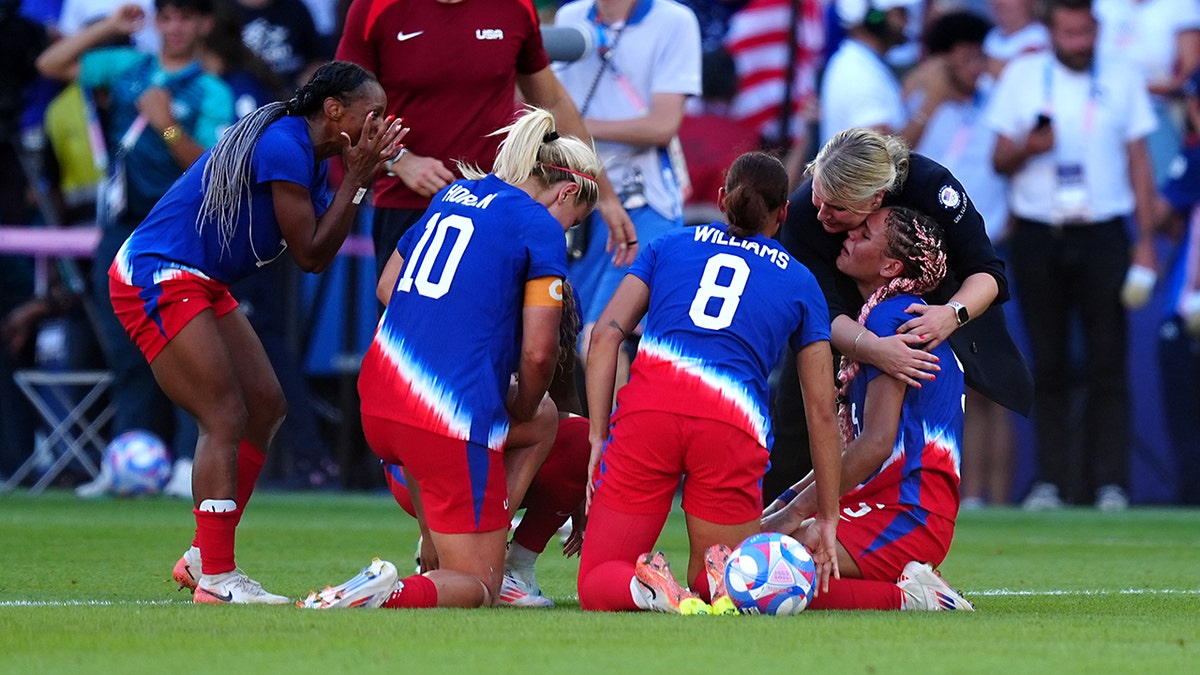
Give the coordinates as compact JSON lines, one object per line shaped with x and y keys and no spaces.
{"x":450,"y":70}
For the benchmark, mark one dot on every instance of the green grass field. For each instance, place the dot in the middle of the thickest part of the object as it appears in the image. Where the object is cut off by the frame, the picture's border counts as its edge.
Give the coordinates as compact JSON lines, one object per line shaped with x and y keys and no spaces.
{"x":86,"y":587}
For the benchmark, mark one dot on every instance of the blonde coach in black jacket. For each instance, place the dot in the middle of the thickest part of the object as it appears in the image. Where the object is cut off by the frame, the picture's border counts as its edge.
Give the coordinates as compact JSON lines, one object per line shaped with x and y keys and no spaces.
{"x":858,"y":171}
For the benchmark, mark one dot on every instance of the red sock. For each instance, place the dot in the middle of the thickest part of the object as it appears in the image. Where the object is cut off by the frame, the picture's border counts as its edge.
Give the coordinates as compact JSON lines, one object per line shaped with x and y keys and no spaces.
{"x":557,"y":488}
{"x":417,"y":592}
{"x":606,"y":588}
{"x":250,"y":462}
{"x":700,"y":587}
{"x":858,"y":594}
{"x":215,"y":536}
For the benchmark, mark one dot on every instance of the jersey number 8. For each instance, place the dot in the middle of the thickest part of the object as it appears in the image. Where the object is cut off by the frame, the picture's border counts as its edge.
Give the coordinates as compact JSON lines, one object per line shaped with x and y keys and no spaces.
{"x":729,"y":295}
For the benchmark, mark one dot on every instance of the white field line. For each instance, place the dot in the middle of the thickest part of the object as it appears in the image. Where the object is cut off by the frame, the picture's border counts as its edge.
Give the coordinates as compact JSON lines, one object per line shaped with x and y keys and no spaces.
{"x":998,"y":592}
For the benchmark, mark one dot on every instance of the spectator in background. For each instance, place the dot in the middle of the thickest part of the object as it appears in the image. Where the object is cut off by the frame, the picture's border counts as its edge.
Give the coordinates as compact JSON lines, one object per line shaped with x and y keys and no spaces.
{"x":948,"y":101}
{"x":1017,"y":32}
{"x":282,"y":33}
{"x":79,"y":14}
{"x":163,"y":111}
{"x":452,"y":70}
{"x":714,"y":17}
{"x":631,"y":97}
{"x":20,"y":41}
{"x":858,"y":88}
{"x":1072,"y":136}
{"x":1163,"y":38}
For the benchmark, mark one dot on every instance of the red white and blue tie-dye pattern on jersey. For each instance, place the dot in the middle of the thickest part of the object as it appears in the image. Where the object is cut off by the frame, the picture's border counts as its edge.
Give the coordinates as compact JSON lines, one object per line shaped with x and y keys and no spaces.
{"x":450,"y":337}
{"x":922,"y":473}
{"x":170,"y":238}
{"x":721,"y":309}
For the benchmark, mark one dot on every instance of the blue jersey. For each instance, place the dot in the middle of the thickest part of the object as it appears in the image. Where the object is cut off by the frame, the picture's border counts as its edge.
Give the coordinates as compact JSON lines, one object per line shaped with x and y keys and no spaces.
{"x":171,"y":239}
{"x":721,"y":309}
{"x":929,"y":439}
{"x":450,"y":337}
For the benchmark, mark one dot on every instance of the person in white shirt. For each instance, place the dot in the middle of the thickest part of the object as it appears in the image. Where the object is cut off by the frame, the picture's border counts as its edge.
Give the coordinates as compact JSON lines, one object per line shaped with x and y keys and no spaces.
{"x":858,"y":88}
{"x":1163,"y":38}
{"x":1016,"y":32}
{"x":1072,"y":135}
{"x":79,"y":14}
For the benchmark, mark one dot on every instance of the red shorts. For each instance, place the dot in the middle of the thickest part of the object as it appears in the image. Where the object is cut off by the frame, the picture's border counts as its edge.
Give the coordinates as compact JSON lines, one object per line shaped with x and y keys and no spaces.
{"x":649,"y":452}
{"x":883,"y":538}
{"x":462,"y":484}
{"x":154,"y":315}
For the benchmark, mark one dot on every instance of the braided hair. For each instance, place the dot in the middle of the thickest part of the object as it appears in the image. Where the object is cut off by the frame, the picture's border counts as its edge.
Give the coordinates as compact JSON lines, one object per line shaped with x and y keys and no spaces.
{"x":915,"y":240}
{"x":227,"y":174}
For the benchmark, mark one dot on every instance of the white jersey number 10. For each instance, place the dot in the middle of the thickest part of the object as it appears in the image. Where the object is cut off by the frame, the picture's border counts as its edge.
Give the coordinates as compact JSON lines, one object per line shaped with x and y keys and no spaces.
{"x":426,"y":255}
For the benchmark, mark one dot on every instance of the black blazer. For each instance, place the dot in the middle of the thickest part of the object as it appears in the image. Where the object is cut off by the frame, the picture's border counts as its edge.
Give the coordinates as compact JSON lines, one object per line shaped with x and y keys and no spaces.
{"x":992,"y":364}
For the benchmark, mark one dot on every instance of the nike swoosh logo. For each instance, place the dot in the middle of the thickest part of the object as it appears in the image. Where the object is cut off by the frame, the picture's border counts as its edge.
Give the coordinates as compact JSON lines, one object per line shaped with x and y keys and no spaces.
{"x":648,"y":589}
{"x":228,"y":597}
{"x":402,"y":36}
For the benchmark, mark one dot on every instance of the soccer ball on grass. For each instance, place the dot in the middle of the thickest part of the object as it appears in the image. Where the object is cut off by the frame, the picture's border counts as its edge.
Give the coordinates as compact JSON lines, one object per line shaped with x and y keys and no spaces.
{"x":770,"y":573}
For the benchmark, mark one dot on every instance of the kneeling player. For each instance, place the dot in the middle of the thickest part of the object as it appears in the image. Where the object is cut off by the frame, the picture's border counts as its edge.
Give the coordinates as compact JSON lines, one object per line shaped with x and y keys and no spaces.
{"x":901,"y":462}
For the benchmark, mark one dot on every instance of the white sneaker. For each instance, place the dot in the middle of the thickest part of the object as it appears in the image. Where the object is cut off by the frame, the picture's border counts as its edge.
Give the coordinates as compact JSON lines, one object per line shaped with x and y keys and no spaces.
{"x":514,"y":593}
{"x":187,"y":569}
{"x":1043,"y":497}
{"x":924,"y":589}
{"x":369,"y":588}
{"x":100,"y":486}
{"x":1111,"y":498}
{"x":180,"y":484}
{"x":235,"y":588}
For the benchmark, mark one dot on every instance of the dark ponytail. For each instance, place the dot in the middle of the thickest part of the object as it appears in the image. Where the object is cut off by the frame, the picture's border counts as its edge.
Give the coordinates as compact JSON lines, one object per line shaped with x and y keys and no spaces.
{"x":755,"y":187}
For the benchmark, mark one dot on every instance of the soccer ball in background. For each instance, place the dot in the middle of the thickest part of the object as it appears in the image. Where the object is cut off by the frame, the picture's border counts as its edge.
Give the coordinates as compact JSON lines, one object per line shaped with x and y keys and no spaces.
{"x":770,"y":573}
{"x":138,"y":463}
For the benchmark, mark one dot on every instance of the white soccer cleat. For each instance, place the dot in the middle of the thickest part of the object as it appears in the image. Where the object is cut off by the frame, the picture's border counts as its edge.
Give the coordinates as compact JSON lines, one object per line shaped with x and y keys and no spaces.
{"x":100,"y":486}
{"x":515,"y":593}
{"x":234,"y":588}
{"x":659,"y":590}
{"x":370,"y":588}
{"x":187,"y":569}
{"x":924,"y":589}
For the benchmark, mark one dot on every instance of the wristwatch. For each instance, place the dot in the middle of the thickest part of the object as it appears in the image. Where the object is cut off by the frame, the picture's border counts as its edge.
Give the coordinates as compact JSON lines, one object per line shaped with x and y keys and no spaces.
{"x":960,"y":310}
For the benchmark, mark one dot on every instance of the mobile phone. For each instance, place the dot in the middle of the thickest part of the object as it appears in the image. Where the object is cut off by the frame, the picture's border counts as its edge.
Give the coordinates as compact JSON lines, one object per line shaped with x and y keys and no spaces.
{"x":1043,"y":121}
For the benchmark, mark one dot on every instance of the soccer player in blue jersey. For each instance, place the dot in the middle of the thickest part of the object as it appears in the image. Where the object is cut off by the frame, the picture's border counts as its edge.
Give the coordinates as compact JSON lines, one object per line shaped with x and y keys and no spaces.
{"x":900,"y":466}
{"x":474,"y":293}
{"x":720,"y":301}
{"x":260,"y":192}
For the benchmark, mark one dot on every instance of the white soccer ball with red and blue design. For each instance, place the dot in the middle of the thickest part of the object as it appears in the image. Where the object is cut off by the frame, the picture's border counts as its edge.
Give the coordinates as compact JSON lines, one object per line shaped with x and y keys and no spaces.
{"x":138,"y":463}
{"x":770,"y":573}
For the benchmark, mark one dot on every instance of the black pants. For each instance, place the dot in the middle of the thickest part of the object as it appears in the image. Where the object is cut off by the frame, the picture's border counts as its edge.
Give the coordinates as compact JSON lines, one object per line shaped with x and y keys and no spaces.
{"x":791,"y":458}
{"x":1063,"y":275}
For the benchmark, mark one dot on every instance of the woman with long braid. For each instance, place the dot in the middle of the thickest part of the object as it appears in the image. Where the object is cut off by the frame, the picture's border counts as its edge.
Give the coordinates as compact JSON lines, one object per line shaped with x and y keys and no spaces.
{"x":260,"y":191}
{"x":900,"y":466}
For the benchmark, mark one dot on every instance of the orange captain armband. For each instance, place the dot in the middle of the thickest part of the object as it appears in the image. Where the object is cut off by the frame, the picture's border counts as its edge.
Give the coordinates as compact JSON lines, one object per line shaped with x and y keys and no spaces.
{"x":544,"y":292}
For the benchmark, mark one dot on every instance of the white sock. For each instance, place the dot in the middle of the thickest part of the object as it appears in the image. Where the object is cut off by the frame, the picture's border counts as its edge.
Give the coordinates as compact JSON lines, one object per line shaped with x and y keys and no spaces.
{"x":218,"y":505}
